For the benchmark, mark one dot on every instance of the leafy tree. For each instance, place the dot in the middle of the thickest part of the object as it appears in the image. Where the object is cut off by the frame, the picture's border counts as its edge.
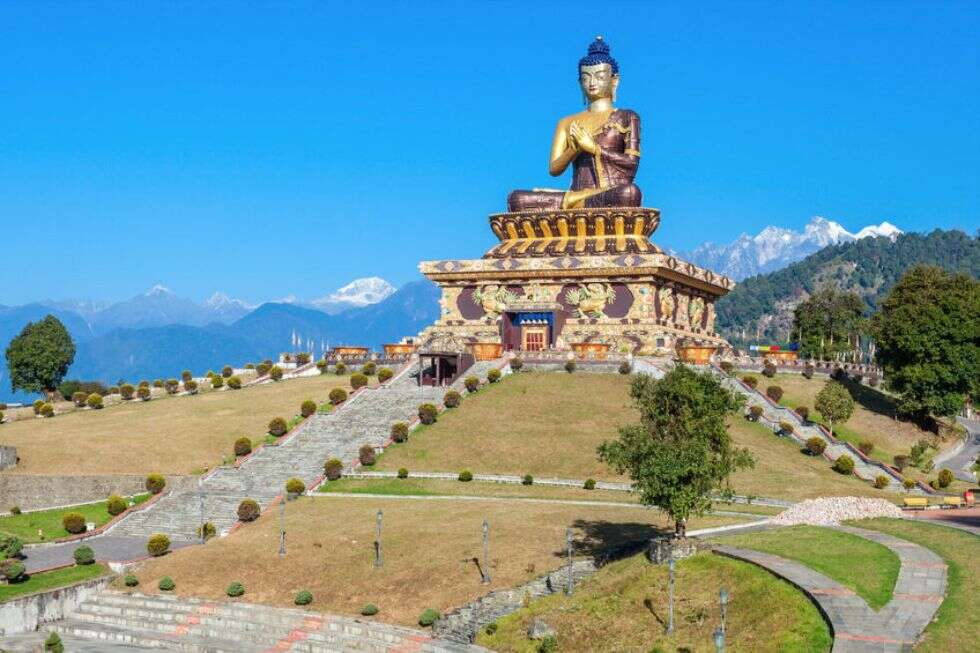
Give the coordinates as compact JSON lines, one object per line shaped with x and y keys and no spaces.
{"x":39,"y":357}
{"x":828,"y":323}
{"x":834,"y":402}
{"x":680,"y":452}
{"x":927,"y":335}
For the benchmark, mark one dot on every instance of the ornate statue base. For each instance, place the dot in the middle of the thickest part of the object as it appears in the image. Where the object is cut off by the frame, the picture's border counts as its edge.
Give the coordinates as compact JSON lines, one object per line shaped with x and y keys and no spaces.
{"x":558,"y":279}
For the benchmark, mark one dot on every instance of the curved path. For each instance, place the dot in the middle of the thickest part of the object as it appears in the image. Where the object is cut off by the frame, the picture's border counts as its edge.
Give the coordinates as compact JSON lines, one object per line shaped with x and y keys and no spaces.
{"x":919,"y":590}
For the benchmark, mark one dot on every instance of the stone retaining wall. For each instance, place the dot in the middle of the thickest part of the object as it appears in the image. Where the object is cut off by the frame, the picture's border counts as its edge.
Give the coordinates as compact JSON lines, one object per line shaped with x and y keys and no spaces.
{"x":27,"y":613}
{"x":34,"y":492}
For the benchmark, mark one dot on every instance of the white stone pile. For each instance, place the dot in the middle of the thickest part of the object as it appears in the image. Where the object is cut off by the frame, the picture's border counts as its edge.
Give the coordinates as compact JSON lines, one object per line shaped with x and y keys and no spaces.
{"x":830,"y":511}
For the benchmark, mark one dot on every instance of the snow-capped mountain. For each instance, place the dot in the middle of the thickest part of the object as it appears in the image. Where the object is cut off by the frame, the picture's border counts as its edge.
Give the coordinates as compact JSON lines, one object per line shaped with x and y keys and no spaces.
{"x":227,"y":309}
{"x":775,"y":247}
{"x":359,"y":292}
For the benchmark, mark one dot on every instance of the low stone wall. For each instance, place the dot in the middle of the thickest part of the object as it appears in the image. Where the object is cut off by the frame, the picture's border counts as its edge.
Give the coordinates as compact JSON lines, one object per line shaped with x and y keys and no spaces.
{"x":8,"y":457}
{"x":27,"y":613}
{"x":33,"y":492}
{"x":601,"y":367}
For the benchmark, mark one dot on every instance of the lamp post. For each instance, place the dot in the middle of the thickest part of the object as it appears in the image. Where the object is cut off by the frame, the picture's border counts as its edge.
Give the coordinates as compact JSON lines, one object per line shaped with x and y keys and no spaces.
{"x":719,"y":640}
{"x":282,"y":527}
{"x":723,"y":599}
{"x":486,"y":553}
{"x":670,"y":596}
{"x":377,"y":543}
{"x":570,"y":583}
{"x":200,"y":495}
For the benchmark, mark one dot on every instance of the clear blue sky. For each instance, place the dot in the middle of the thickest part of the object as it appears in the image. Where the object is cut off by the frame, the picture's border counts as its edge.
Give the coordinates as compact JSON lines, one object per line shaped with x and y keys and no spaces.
{"x":269,"y":148}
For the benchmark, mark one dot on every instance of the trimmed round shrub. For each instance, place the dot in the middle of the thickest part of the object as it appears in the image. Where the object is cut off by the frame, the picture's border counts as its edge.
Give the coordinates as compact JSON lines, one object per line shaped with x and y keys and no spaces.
{"x":516,"y":364}
{"x":755,"y":412}
{"x":38,"y":403}
{"x":206,"y":530}
{"x":428,"y":617}
{"x":47,"y":410}
{"x":816,"y":446}
{"x":333,"y":469}
{"x":158,"y":545}
{"x":248,"y":510}
{"x":131,"y":580}
{"x":900,"y":462}
{"x":751,"y":381}
{"x":844,"y":464}
{"x":472,"y":384}
{"x":451,"y":399}
{"x":143,"y":384}
{"x":625,"y":368}
{"x":399,"y":432}
{"x":369,"y":369}
{"x":210,"y":375}
{"x":217,"y":382}
{"x":808,"y":370}
{"x":167,"y":584}
{"x":227,"y":371}
{"x":262,"y":369}
{"x":172,"y":386}
{"x":78,"y":398}
{"x":235,"y":589}
{"x":302,"y":358}
{"x":278,"y":427}
{"x":323,"y":366}
{"x":158,"y":383}
{"x":190,"y":387}
{"x":866,"y":447}
{"x":73,"y":522}
{"x":186,"y":376}
{"x":786,"y":427}
{"x":94,"y":401}
{"x":589,"y":484}
{"x":527,"y":480}
{"x":243,"y":446}
{"x":358,"y":380}
{"x":803,"y":412}
{"x":307,"y":408}
{"x":428,"y":413}
{"x":235,"y":382}
{"x":338,"y":396}
{"x":570,"y":366}
{"x":275,"y":373}
{"x":116,"y":505}
{"x":84,"y":555}
{"x":127,"y":391}
{"x":385,"y":374}
{"x":10,"y":546}
{"x":402,"y":472}
{"x":493,"y":375}
{"x":769,"y":370}
{"x":465,"y":476}
{"x":155,"y":483}
{"x":12,"y":570}
{"x":340,"y":369}
{"x":945,"y":478}
{"x":908,"y":484}
{"x":143,"y":392}
{"x":53,"y":643}
{"x":295,"y":486}
{"x":303,"y":597}
{"x":774,"y":392}
{"x":1,"y":417}
{"x":369,"y":609}
{"x":15,"y":510}
{"x":881,"y":481}
{"x":267,"y":362}
{"x":366,"y":455}
{"x":726,"y":366}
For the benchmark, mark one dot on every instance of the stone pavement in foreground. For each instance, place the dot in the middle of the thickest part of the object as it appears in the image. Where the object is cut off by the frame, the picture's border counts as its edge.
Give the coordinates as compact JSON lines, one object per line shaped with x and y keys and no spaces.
{"x":918,"y":592}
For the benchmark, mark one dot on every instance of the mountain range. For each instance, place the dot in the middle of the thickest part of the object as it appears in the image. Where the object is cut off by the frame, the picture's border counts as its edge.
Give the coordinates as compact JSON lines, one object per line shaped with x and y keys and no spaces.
{"x":774,"y":247}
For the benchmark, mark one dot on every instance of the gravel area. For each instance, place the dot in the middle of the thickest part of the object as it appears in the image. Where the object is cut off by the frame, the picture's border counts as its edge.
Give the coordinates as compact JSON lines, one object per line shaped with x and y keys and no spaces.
{"x":831,"y":511}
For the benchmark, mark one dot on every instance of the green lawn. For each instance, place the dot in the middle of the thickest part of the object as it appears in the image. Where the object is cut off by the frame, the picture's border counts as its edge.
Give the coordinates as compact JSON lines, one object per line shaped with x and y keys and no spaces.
{"x":26,"y":525}
{"x":51,"y":579}
{"x":866,"y":567}
{"x":623,"y":608}
{"x":958,"y":621}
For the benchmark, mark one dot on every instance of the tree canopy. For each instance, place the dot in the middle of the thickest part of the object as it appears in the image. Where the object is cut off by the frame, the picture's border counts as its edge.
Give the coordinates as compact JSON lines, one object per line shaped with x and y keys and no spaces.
{"x":834,"y":403}
{"x":680,"y":452}
{"x":828,"y":323}
{"x":927,"y":338}
{"x":39,"y":357}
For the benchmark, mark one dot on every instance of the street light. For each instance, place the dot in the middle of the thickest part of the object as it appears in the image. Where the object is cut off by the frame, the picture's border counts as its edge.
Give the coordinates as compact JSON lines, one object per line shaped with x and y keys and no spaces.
{"x":570,"y":583}
{"x":670,"y":595}
{"x":200,"y":494}
{"x":486,"y":556}
{"x":282,"y":527}
{"x":723,"y":599}
{"x":719,"y":640}
{"x":377,"y":543}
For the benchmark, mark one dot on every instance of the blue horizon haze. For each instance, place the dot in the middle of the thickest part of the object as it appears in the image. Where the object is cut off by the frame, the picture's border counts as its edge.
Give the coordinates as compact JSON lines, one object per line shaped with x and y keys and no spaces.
{"x":268,"y":149}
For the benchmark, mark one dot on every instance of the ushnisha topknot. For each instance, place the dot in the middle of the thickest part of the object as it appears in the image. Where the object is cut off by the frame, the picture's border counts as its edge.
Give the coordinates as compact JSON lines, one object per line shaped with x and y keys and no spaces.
{"x":598,"y":54}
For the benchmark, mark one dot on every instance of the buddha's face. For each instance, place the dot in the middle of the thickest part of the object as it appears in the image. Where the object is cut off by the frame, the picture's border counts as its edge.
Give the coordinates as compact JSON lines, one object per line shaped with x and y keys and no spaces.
{"x":598,"y":81}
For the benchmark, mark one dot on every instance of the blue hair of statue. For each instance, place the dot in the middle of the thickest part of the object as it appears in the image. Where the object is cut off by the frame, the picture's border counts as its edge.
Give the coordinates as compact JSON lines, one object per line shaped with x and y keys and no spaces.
{"x":599,"y":54}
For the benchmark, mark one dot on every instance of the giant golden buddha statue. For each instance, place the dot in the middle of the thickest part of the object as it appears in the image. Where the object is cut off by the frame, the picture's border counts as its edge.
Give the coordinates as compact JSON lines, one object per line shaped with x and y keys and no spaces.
{"x":602,"y":144}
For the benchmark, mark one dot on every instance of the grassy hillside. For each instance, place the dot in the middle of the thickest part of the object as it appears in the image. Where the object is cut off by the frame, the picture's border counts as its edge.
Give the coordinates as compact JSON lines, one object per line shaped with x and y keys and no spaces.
{"x":550,"y":424}
{"x":172,"y":435}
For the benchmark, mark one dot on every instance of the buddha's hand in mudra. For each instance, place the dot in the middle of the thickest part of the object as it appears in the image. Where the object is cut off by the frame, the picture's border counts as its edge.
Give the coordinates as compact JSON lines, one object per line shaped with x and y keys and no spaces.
{"x":582,"y":139}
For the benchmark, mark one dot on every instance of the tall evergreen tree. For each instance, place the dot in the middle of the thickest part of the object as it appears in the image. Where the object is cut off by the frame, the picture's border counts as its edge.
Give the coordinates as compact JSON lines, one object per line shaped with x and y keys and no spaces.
{"x":39,"y":357}
{"x":927,"y":336}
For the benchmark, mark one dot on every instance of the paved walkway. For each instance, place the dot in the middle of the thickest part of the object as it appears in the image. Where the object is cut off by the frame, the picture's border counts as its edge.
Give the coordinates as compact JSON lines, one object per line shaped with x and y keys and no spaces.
{"x":107,"y":548}
{"x":918,"y":592}
{"x":965,"y":519}
{"x":962,"y":460}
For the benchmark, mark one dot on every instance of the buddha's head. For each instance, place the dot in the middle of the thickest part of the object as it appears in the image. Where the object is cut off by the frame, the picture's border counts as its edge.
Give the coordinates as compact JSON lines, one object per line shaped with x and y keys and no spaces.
{"x":598,"y":73}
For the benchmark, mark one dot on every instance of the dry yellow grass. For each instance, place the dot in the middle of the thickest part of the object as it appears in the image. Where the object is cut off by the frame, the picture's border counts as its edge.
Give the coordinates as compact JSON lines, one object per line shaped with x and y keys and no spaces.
{"x":429,"y":547}
{"x":172,"y":435}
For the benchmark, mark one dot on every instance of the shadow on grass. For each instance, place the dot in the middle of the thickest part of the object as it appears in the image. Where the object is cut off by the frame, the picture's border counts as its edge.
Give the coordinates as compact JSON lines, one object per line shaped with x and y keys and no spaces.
{"x":605,"y":541}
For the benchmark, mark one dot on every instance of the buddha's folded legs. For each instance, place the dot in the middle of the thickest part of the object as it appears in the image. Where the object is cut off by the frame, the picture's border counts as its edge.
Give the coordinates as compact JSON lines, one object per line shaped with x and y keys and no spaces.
{"x":626,"y":195}
{"x":534,"y":200}
{"x":547,"y":200}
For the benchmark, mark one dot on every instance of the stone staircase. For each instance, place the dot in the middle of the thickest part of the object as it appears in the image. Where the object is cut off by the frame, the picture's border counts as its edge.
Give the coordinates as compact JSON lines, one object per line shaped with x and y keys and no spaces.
{"x":366,"y":418}
{"x":167,"y":622}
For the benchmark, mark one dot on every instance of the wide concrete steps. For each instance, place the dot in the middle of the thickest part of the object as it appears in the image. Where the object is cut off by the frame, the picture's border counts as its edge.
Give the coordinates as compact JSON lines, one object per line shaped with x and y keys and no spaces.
{"x":198,"y":625}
